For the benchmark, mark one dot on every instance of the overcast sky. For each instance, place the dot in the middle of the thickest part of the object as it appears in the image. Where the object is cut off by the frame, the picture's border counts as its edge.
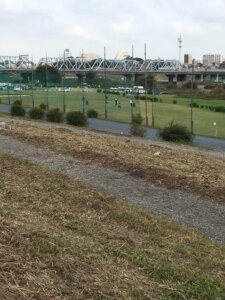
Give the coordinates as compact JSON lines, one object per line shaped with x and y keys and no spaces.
{"x":38,"y":26}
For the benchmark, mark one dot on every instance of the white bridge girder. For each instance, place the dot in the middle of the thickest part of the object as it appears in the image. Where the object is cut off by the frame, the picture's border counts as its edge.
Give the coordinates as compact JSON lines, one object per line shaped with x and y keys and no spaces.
{"x":79,"y":65}
{"x":126,"y":66}
{"x":16,"y":62}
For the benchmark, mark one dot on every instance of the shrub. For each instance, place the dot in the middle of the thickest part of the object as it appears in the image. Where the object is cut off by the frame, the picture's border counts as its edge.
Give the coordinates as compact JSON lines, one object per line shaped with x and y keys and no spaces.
{"x":17,"y":102}
{"x":92,"y":113}
{"x":76,"y":118}
{"x":194,"y":104}
{"x":176,"y":133}
{"x":36,"y":113}
{"x":220,"y":109}
{"x":189,"y":84}
{"x":43,"y":106}
{"x":99,"y":90}
{"x":174,"y":101}
{"x":137,"y":119}
{"x":135,"y":128}
{"x":54,"y":115}
{"x":17,"y":109}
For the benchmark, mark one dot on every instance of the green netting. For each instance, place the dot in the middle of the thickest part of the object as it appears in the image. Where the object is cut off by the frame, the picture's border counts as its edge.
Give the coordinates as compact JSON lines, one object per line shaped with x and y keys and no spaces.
{"x":72,"y":94}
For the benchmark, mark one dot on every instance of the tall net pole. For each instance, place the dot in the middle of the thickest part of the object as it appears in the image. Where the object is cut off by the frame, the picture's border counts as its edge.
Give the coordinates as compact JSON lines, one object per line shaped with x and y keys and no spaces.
{"x":146,"y":106}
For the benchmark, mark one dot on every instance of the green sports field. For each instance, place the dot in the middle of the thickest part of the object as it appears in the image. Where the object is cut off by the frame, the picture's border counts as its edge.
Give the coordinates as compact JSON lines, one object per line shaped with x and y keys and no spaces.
{"x":206,"y":122}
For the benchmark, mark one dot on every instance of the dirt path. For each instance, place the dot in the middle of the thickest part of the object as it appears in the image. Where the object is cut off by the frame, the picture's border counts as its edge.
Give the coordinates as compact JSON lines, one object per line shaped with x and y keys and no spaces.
{"x":188,"y":209}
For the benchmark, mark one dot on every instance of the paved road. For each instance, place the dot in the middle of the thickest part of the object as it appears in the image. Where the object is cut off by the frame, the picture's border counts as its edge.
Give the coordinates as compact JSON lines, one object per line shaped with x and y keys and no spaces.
{"x":211,"y":143}
{"x":5,"y":108}
{"x":103,"y":125}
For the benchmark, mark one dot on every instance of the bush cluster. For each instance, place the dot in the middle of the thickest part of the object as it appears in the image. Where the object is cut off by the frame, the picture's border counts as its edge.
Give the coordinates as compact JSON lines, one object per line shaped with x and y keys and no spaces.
{"x":194,"y":104}
{"x":189,"y":84}
{"x":135,"y":128}
{"x":54,"y":115}
{"x":17,"y":109}
{"x":176,"y":133}
{"x":76,"y":118}
{"x":111,"y":92}
{"x":155,"y":99}
{"x":43,"y":106}
{"x":208,"y":107}
{"x":92,"y":113}
{"x":219,"y":109}
{"x":36,"y":113}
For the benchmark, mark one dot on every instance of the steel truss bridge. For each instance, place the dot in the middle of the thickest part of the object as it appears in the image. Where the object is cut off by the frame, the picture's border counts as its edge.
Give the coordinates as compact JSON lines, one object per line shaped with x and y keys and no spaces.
{"x":79,"y":66}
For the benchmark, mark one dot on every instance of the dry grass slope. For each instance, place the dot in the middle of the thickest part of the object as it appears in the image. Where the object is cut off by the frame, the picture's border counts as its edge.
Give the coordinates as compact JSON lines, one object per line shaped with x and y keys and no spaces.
{"x":62,"y":240}
{"x":172,"y":168}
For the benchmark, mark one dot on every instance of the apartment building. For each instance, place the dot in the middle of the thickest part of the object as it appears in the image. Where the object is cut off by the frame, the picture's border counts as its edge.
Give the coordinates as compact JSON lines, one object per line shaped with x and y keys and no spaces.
{"x":212,"y":59}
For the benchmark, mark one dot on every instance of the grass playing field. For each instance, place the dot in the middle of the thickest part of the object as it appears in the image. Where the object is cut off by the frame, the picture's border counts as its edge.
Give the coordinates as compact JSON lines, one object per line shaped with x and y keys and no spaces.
{"x":164,"y":112}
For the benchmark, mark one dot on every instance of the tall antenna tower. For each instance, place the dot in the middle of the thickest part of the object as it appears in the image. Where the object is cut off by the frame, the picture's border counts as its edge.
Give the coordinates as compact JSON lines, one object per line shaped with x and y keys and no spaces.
{"x":180,"y":41}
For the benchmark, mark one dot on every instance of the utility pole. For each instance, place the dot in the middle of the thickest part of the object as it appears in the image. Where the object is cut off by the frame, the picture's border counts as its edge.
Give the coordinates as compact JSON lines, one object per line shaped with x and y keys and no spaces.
{"x":133,"y":73}
{"x":32,"y":82}
{"x":46,"y":78}
{"x":192,"y":78}
{"x":106,"y":97}
{"x":63,"y":81}
{"x":180,"y":46}
{"x":82,"y":77}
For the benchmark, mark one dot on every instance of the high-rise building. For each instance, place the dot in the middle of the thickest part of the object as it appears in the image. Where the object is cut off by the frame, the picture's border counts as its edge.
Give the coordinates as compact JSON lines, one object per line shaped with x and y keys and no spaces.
{"x":122,"y":54}
{"x":90,"y":56}
{"x":188,"y":59}
{"x":212,"y":59}
{"x":66,"y":53}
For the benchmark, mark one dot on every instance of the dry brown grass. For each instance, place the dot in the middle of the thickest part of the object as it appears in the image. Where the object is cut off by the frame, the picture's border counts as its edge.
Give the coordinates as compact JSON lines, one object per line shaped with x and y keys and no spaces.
{"x":172,"y":168}
{"x":62,"y":240}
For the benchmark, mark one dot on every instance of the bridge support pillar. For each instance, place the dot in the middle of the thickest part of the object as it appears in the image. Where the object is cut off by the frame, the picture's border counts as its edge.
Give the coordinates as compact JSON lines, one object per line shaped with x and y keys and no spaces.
{"x":181,"y":77}
{"x":217,"y":77}
{"x":129,"y":78}
{"x":170,"y":78}
{"x":136,"y":77}
{"x":199,"y":77}
{"x":204,"y":77}
{"x":213,"y":77}
{"x":81,"y":78}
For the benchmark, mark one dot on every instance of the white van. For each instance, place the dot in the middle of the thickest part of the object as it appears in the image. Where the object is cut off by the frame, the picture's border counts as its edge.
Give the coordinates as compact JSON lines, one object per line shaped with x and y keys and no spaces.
{"x":138,"y":90}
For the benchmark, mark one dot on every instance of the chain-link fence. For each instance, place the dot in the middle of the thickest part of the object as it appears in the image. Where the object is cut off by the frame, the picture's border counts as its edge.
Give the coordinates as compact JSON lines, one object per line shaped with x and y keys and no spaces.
{"x":116,"y":102}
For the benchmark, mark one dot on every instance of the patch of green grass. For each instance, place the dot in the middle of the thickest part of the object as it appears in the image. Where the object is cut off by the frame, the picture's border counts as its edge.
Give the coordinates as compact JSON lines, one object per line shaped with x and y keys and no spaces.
{"x":137,"y":294}
{"x":41,"y":244}
{"x":164,"y":112}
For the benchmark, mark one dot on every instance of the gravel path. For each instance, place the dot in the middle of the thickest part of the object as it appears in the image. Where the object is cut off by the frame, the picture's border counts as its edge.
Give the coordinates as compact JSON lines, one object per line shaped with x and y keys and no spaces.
{"x":188,"y":209}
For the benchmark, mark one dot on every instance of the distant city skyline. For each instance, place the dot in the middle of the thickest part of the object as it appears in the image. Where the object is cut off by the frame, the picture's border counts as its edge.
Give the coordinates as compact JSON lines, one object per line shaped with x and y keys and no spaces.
{"x":38,"y":27}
